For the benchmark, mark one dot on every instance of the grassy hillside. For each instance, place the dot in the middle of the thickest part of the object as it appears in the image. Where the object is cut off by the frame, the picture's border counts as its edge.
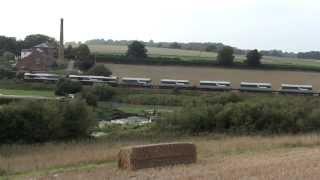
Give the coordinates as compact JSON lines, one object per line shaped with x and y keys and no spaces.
{"x":191,"y":54}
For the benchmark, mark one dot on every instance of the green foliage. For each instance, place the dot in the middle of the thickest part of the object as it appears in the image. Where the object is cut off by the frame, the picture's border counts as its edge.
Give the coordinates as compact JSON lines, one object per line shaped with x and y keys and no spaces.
{"x":175,"y":45}
{"x":104,"y":93}
{"x":137,"y":50}
{"x":211,"y":48}
{"x":82,"y":51}
{"x":100,"y":70}
{"x":225,"y":56}
{"x":253,"y":58}
{"x":69,"y":52}
{"x":90,"y":97}
{"x":35,"y":39}
{"x":8,"y":56}
{"x":7,"y":74}
{"x":85,"y":60}
{"x":9,"y":44}
{"x":272,"y":115}
{"x":66,"y":86}
{"x":78,"y":119}
{"x":40,"y":121}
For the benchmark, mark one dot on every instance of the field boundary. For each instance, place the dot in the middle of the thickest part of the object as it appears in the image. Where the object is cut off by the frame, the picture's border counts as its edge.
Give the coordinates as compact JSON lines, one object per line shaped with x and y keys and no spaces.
{"x":165,"y":61}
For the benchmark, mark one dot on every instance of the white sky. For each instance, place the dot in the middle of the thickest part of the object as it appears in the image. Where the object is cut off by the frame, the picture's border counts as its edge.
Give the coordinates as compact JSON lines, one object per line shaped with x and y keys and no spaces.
{"x":292,"y":25}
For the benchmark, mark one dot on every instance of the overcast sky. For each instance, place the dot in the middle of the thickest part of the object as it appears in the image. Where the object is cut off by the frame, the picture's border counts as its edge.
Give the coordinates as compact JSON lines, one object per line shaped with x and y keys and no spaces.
{"x":291,"y":25}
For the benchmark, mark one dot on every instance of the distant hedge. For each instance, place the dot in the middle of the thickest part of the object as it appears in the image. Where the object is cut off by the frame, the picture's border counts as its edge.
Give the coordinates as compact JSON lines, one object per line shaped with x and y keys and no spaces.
{"x":41,"y":121}
{"x":122,"y":59}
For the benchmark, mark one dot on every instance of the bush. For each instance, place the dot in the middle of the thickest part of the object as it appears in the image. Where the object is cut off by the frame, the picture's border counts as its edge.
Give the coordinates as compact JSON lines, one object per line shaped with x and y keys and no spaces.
{"x":86,"y":63}
{"x":7,"y":74}
{"x":8,"y":56}
{"x":41,"y":121}
{"x":100,"y":70}
{"x":65,"y":86}
{"x":78,"y":119}
{"x":90,"y":97}
{"x":104,"y":93}
{"x":264,"y":115}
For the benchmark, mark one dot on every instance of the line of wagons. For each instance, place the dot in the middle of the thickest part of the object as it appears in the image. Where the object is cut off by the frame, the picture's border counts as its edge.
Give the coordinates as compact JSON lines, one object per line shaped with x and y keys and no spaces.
{"x":172,"y":84}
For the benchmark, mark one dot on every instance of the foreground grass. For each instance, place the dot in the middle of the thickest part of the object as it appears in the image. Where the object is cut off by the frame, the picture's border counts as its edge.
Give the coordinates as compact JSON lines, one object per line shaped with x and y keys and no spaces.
{"x":220,"y":157}
{"x":27,"y":93}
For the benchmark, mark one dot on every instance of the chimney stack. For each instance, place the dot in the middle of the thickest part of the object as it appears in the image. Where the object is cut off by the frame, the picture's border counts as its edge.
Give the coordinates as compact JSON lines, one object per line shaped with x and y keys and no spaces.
{"x":61,"y":43}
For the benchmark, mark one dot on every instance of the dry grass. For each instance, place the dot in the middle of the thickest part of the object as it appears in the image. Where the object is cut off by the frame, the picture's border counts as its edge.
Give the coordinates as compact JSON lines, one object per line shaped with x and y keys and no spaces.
{"x":195,"y":74}
{"x":285,"y":157}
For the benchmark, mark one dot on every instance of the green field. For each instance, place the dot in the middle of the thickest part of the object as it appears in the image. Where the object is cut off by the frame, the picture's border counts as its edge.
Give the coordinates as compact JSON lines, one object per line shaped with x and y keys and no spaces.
{"x":27,"y":93}
{"x":200,"y":55}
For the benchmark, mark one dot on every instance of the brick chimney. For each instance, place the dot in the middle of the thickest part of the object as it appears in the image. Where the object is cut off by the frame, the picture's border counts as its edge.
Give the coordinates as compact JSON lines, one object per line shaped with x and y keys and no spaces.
{"x":61,"y":43}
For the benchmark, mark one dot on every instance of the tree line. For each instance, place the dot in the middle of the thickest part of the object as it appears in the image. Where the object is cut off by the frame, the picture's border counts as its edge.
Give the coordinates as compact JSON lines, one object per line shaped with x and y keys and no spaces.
{"x":207,"y":46}
{"x":225,"y":56}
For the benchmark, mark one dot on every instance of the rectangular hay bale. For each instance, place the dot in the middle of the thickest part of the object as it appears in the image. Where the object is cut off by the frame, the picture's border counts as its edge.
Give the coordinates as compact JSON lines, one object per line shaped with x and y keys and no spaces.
{"x":157,"y":155}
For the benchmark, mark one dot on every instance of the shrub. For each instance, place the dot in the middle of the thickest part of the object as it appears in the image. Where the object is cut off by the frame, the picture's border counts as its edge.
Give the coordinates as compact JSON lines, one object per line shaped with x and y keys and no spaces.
{"x":104,"y":93}
{"x":254,"y":115}
{"x":78,"y":119}
{"x":100,"y":70}
{"x":7,"y":74}
{"x":40,"y":121}
{"x":65,"y":86}
{"x":90,"y":97}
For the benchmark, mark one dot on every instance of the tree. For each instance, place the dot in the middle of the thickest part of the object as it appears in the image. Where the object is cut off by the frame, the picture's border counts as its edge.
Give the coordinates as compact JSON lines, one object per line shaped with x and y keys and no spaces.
{"x":225,"y":56}
{"x":211,"y":48}
{"x":137,"y":50}
{"x":78,"y":119}
{"x":69,"y":52}
{"x":35,"y":39}
{"x":175,"y":45}
{"x":66,"y":86}
{"x":85,"y":60}
{"x":100,"y":70}
{"x":83,"y":51}
{"x":8,"y":44}
{"x":253,"y":58}
{"x":8,"y":56}
{"x":104,"y":93}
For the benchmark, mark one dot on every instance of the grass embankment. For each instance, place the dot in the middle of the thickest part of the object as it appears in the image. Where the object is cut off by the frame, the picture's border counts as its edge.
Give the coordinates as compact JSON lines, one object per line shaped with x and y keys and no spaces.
{"x":220,"y":157}
{"x":41,"y":93}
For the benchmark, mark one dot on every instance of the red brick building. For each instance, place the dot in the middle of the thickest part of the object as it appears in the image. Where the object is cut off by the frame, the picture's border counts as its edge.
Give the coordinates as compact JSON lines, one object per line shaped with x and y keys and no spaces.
{"x":37,"y":59}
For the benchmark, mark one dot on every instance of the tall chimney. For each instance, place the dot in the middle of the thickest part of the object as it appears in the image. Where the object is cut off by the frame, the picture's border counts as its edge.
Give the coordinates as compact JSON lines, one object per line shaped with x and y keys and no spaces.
{"x":61,"y":44}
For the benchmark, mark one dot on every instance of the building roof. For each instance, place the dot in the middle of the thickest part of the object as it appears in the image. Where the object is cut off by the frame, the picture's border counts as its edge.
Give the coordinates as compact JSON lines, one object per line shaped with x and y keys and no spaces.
{"x":43,"y":45}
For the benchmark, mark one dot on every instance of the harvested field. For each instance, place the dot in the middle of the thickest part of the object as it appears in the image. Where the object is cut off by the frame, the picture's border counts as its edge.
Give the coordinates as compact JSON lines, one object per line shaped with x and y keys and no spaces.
{"x":195,"y":74}
{"x":220,"y":157}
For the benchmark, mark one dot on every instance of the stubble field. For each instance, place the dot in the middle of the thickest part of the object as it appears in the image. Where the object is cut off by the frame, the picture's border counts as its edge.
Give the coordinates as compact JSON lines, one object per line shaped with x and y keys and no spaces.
{"x":195,"y":74}
{"x":219,"y":157}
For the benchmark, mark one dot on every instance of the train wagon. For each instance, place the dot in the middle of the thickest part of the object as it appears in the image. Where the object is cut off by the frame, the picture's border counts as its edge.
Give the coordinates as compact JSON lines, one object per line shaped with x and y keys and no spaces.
{"x":88,"y":79}
{"x":296,"y":89}
{"x":215,"y":85}
{"x":255,"y":87}
{"x":171,"y":83}
{"x":41,"y":77}
{"x":136,"y":82}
